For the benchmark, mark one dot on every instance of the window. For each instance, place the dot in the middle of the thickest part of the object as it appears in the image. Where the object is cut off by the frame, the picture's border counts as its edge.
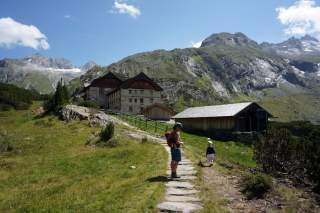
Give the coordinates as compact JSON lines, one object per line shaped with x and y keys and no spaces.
{"x":130,"y":109}
{"x":151,"y":100}
{"x":130,"y":100}
{"x":141,"y":109}
{"x":135,"y":100}
{"x":141,"y":100}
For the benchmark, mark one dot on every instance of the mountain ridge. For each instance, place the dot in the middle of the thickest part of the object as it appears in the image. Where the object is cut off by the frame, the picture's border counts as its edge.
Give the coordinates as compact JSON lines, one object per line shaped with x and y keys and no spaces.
{"x":39,"y":72}
{"x":226,"y":68}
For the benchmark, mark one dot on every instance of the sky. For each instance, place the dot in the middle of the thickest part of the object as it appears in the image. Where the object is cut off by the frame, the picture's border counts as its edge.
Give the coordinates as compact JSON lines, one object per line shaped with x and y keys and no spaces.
{"x":106,"y":31}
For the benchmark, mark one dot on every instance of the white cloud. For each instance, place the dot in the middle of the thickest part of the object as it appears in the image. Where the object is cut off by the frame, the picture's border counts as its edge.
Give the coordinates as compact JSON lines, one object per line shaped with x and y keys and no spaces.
{"x":14,"y":33}
{"x":303,"y":17}
{"x":124,"y":8}
{"x":67,"y":16}
{"x":196,"y":44}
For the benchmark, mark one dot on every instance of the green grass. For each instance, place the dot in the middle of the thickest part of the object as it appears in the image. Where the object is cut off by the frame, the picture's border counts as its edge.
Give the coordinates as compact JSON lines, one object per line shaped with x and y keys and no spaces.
{"x":51,"y":170}
{"x":227,"y":152}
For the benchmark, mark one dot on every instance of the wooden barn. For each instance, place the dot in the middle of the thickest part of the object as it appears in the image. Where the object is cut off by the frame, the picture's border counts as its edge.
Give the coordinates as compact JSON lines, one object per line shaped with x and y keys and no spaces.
{"x":220,"y":120}
{"x":158,"y":111}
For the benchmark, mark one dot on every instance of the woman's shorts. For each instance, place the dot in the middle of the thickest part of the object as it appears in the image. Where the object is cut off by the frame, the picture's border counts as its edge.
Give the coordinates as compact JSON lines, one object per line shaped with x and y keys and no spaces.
{"x":176,"y":154}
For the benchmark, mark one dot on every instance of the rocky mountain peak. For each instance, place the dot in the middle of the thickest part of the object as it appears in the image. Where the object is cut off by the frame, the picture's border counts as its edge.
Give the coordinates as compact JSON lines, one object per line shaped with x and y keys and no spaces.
{"x":43,"y":61}
{"x":236,"y":39}
{"x":309,"y":38}
{"x":89,"y":65}
{"x":294,"y":47}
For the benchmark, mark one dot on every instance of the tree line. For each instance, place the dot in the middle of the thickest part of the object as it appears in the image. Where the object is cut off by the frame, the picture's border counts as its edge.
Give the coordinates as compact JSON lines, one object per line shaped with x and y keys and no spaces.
{"x":13,"y":97}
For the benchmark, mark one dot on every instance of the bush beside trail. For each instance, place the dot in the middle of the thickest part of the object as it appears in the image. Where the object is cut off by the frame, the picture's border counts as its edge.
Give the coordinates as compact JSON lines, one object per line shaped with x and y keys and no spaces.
{"x":256,"y":185}
{"x":291,"y":149}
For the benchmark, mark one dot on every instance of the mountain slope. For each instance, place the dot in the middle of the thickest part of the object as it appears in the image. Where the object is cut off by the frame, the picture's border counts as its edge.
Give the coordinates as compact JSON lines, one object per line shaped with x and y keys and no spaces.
{"x":38,"y":72}
{"x":226,"y":68}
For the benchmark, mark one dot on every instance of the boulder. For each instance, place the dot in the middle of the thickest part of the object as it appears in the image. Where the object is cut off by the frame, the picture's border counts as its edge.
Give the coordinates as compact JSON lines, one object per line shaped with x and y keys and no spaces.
{"x":95,"y":117}
{"x":99,"y":119}
{"x":72,"y":112}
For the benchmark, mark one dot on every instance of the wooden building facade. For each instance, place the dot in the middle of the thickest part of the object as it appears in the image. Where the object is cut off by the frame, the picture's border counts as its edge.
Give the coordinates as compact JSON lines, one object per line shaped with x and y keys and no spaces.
{"x":222,"y":120}
{"x":158,"y":111}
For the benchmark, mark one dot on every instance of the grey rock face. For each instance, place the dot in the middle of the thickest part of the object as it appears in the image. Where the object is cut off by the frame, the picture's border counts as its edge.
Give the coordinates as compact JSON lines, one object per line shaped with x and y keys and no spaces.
{"x":73,"y":112}
{"x":95,"y":118}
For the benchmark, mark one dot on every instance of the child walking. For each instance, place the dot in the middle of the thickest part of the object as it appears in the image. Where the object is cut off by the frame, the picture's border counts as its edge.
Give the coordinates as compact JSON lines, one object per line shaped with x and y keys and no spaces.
{"x":210,"y":152}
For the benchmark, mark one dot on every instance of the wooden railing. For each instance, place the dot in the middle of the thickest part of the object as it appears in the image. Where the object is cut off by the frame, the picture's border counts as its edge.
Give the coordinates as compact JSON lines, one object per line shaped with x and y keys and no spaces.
{"x":152,"y":126}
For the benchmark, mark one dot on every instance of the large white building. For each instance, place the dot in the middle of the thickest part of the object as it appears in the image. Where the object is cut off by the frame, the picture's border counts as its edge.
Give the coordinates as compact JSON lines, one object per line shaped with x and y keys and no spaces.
{"x":130,"y":96}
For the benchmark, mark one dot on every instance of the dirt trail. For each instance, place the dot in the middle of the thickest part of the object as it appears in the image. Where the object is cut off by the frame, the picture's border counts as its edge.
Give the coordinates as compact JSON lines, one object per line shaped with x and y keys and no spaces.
{"x":228,"y":187}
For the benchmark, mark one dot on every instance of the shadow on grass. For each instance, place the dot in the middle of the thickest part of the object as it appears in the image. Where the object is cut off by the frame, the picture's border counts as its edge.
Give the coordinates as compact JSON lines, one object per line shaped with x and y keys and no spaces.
{"x":158,"y":179}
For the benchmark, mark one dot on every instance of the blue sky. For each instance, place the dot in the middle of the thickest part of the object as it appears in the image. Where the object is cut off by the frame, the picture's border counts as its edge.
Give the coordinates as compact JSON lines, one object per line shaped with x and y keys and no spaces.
{"x":107,"y":30}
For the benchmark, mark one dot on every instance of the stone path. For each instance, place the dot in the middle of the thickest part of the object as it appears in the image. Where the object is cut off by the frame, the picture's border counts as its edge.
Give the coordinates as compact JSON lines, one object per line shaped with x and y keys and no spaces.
{"x":181,"y":194}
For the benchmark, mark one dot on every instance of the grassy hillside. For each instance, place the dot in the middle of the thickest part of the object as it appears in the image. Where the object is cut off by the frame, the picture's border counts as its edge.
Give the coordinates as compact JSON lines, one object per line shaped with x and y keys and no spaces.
{"x":233,"y":162}
{"x":294,"y":107}
{"x":50,"y":168}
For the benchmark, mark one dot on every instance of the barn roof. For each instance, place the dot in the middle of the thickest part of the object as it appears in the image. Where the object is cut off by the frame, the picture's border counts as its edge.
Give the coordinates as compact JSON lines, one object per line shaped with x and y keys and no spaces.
{"x":225,"y":110}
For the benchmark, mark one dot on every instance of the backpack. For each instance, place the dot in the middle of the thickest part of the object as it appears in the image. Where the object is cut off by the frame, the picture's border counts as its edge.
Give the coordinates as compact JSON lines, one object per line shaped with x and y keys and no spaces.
{"x":170,"y":139}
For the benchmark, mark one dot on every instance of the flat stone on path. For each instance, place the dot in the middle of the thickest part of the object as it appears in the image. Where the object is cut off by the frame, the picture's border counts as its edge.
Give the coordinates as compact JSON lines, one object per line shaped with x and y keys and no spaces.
{"x":175,"y":191}
{"x":179,"y":207}
{"x":181,"y":172}
{"x":181,"y":195}
{"x":177,"y":198}
{"x":179,"y":184}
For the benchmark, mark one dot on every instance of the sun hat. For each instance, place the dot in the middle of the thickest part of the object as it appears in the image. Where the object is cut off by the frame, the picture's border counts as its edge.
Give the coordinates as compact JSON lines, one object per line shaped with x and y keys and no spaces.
{"x":177,"y":125}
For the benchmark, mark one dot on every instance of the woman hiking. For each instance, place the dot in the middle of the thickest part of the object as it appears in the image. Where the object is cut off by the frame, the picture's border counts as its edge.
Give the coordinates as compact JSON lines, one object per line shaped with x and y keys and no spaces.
{"x":174,"y":141}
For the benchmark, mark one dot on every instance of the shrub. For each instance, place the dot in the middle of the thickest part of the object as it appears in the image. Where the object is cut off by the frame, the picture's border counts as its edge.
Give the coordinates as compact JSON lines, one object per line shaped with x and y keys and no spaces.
{"x":291,"y":149}
{"x":256,"y":186}
{"x":5,"y":145}
{"x":107,"y":133}
{"x":144,"y":140}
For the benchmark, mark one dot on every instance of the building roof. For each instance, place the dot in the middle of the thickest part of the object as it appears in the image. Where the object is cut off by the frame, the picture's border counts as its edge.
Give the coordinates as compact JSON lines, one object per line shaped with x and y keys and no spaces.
{"x":225,"y":110}
{"x":140,"y":81}
{"x":109,"y":80}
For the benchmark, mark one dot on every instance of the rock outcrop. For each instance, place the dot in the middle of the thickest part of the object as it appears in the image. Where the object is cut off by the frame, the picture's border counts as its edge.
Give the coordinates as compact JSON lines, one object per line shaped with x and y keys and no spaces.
{"x":95,"y":117}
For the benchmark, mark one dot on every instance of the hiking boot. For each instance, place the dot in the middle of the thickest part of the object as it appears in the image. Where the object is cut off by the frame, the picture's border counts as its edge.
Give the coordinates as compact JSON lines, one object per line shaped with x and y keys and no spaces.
{"x":174,"y":175}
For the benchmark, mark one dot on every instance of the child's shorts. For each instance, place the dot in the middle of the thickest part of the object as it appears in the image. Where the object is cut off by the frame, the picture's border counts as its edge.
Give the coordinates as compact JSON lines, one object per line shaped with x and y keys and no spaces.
{"x":210,"y":158}
{"x":176,"y":154}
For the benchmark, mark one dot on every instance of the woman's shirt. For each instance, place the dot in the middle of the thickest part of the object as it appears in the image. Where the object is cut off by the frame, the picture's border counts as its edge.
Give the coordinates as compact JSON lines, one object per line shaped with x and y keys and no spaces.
{"x":176,"y":138}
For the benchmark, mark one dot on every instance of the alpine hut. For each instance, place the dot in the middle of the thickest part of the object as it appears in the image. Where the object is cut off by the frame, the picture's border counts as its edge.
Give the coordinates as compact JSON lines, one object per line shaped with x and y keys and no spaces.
{"x":220,"y":121}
